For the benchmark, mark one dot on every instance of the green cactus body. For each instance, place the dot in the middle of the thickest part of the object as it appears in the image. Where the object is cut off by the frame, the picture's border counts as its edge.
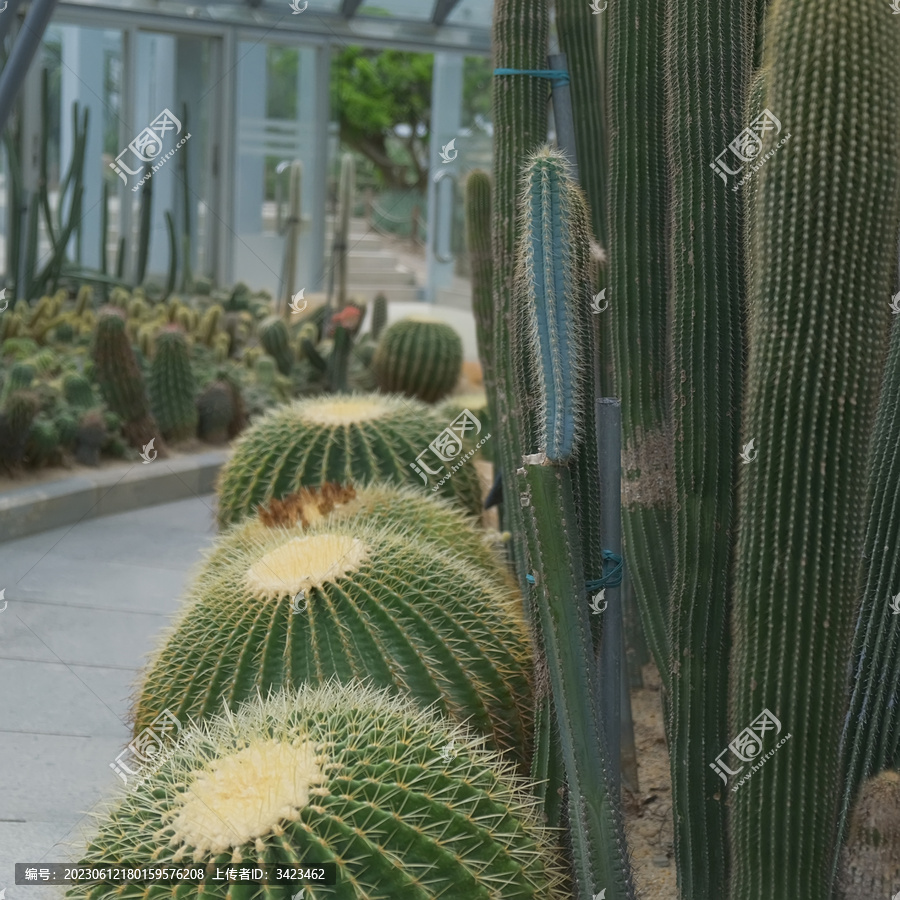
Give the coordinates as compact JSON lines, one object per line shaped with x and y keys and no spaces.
{"x":84,"y":299}
{"x":19,"y":411}
{"x":215,"y":407}
{"x":173,"y":391}
{"x":92,"y":435}
{"x":553,"y":285}
{"x":20,"y":378}
{"x":221,"y":347}
{"x":346,"y":188}
{"x":379,"y":316}
{"x":18,"y":348}
{"x":46,"y":363}
{"x":707,"y":286}
{"x":871,"y":739}
{"x":66,"y":421}
{"x":64,"y":332}
{"x":43,"y":442}
{"x":210,"y":323}
{"x":478,"y":243}
{"x":266,"y":369}
{"x":121,"y":382}
{"x":359,"y":438}
{"x":812,"y":384}
{"x":404,"y":804}
{"x":418,"y":357}
{"x":78,"y":391}
{"x":274,"y":337}
{"x":339,"y":360}
{"x":381,"y":604}
{"x":384,"y":505}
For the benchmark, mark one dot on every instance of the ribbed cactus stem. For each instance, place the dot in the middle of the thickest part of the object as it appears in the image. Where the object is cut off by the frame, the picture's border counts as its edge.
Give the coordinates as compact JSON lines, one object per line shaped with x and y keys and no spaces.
{"x":478,"y":243}
{"x":346,"y":187}
{"x":553,"y":293}
{"x":822,"y":251}
{"x":702,"y":116}
{"x":871,"y":738}
{"x":379,"y":315}
{"x":596,"y":829}
{"x":638,"y":314}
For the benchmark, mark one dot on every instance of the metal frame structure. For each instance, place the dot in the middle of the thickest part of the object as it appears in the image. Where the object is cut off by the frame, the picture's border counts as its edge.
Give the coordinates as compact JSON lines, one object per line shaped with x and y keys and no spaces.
{"x":228,"y":23}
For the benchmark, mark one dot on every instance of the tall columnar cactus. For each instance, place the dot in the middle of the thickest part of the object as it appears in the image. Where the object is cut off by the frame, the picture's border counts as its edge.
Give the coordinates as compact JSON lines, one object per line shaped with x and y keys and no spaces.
{"x":481,"y":261}
{"x":276,"y":341}
{"x":121,"y":382}
{"x":703,"y":115}
{"x":359,"y":438}
{"x":871,"y":736}
{"x":813,"y":377}
{"x":519,"y":38}
{"x":404,"y":804}
{"x":19,"y":378}
{"x":346,"y":189}
{"x":379,"y":315}
{"x":173,"y":390}
{"x":16,"y":417}
{"x":552,"y":356}
{"x":418,"y":357}
{"x":374,"y":602}
{"x":638,"y":313}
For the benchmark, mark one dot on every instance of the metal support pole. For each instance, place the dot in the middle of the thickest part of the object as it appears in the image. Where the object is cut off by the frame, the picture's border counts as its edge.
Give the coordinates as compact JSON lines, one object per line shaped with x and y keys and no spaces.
{"x":7,"y":19}
{"x":609,"y":442}
{"x":27,"y":41}
{"x":562,"y":112}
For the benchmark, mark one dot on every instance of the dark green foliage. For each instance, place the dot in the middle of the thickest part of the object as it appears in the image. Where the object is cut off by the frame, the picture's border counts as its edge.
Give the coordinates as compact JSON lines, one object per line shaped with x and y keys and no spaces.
{"x":43,"y":442}
{"x":18,"y":413}
{"x":216,"y":410}
{"x":78,"y":391}
{"x":19,"y":378}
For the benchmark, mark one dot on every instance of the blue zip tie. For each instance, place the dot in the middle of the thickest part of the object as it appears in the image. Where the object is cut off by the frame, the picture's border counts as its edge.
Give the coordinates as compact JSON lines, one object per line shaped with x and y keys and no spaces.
{"x":559,"y":76}
{"x":611,"y":579}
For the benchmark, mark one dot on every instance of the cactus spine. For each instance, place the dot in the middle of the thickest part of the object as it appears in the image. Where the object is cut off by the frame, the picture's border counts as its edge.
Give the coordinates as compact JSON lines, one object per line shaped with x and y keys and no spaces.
{"x":173,"y":391}
{"x":420,"y":358}
{"x":357,"y":438}
{"x":553,"y":288}
{"x":815,"y":362}
{"x":343,"y":774}
{"x":380,"y":604}
{"x":639,"y":318}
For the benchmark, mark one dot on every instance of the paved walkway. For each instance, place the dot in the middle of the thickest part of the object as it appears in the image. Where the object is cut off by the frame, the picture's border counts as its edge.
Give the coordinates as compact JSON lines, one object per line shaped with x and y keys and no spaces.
{"x":84,"y":606}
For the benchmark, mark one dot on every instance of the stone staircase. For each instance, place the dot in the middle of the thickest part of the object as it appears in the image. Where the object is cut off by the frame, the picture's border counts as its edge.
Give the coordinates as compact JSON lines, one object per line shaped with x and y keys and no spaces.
{"x":372,"y":267}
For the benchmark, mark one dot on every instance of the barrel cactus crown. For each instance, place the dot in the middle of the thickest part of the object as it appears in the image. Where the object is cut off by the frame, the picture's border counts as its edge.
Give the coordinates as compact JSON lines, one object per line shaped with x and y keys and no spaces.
{"x":385,"y":505}
{"x":404,"y":804}
{"x":358,"y":438}
{"x":173,"y":390}
{"x":353,"y":602}
{"x":420,"y":358}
